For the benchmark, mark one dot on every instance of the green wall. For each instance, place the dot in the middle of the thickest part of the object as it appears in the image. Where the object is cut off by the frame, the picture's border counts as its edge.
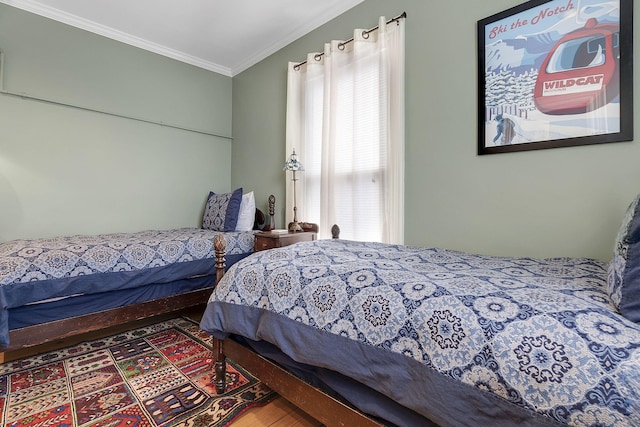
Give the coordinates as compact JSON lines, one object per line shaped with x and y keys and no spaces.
{"x":65,"y":170}
{"x":546,"y":203}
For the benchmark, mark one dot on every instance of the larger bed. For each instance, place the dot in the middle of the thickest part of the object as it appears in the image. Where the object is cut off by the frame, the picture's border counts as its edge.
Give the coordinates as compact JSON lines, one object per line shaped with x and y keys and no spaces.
{"x":414,"y":336}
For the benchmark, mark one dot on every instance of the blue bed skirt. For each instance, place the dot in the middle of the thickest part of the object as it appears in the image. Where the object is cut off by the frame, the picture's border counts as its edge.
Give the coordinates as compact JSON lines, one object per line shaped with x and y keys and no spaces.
{"x":35,"y":314}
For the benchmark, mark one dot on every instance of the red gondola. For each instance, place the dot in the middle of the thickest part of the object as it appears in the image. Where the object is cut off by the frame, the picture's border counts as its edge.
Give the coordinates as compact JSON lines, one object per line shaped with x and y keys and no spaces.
{"x":582,"y":71}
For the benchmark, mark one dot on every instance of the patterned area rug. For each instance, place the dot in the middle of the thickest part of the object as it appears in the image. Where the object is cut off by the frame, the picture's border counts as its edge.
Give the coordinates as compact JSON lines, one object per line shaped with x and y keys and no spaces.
{"x":159,"y":375}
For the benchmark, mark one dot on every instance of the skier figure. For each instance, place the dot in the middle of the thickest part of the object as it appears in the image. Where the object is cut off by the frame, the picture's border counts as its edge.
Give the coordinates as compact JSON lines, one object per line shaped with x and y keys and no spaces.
{"x":505,"y":129}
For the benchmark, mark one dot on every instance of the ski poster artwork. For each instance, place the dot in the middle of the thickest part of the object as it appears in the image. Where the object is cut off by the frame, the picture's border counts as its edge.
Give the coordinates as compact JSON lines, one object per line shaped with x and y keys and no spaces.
{"x":553,"y":72}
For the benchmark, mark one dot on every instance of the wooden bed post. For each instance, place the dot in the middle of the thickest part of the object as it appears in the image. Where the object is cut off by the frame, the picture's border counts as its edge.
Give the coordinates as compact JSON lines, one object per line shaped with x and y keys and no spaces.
{"x":219,"y":367}
{"x":220,"y":364}
{"x":220,"y":247}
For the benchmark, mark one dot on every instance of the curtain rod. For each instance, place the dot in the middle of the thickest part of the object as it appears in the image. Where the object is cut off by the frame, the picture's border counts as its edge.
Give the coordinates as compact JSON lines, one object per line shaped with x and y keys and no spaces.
{"x":365,"y":34}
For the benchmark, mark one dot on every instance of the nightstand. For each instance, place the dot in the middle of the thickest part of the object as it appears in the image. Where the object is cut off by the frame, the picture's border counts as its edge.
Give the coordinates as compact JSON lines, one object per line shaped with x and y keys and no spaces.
{"x":274,"y":239}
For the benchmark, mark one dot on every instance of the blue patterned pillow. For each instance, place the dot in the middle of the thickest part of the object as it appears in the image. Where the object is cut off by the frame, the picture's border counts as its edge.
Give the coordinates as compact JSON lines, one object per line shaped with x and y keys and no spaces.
{"x":221,"y":211}
{"x":623,"y":281}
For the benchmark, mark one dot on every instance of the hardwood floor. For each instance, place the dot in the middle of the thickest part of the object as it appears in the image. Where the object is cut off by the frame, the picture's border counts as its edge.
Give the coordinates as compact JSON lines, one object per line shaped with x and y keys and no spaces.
{"x":277,"y":413}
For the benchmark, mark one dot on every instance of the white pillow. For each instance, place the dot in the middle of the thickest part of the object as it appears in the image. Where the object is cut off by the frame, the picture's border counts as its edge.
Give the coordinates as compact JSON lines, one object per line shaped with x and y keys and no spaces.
{"x":247,"y":214}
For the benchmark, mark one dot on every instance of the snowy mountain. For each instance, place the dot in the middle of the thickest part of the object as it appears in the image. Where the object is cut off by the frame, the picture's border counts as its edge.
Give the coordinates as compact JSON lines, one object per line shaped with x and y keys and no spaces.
{"x":522,"y":53}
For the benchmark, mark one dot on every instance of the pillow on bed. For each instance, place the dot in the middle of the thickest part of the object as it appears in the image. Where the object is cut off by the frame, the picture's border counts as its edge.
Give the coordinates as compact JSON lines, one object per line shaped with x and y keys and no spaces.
{"x":623,"y":280}
{"x":221,"y":211}
{"x":247,"y":215}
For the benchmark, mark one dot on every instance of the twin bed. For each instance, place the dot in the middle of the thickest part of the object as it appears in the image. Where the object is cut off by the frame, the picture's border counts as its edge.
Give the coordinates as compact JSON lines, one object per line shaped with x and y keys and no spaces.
{"x":423,"y":336}
{"x":59,"y":287}
{"x":53,"y":288}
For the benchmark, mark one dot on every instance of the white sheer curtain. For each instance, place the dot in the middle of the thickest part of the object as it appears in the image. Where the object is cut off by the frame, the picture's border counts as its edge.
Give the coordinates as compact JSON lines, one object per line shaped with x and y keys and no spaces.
{"x":345,"y":119}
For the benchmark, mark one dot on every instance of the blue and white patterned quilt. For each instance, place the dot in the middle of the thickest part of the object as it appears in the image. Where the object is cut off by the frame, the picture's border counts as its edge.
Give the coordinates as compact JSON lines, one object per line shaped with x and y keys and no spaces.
{"x":35,"y":270}
{"x":461,"y":339}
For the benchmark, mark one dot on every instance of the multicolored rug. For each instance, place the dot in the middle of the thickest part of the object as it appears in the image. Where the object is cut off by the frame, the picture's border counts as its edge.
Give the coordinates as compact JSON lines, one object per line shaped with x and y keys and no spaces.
{"x":159,"y":375}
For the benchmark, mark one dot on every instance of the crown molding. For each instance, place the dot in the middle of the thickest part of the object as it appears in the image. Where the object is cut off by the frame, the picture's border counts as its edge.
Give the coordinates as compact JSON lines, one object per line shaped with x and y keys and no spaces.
{"x":96,"y":28}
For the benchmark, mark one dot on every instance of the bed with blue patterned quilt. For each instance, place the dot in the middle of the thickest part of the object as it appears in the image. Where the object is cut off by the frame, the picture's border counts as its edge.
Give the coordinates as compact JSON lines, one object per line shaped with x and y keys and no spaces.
{"x":452,"y":338}
{"x":44,"y":280}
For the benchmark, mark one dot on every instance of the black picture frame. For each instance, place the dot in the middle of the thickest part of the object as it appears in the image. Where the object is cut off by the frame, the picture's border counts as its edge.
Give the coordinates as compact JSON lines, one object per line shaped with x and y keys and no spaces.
{"x":555,"y":73}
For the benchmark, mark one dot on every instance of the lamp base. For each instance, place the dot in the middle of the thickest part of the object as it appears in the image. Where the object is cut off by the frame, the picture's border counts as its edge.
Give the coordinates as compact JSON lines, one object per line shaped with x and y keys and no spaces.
{"x":295,"y":226}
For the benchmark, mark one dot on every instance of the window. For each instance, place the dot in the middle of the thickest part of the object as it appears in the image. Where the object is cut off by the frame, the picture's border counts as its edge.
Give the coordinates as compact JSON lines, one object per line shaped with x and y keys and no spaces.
{"x":345,"y":117}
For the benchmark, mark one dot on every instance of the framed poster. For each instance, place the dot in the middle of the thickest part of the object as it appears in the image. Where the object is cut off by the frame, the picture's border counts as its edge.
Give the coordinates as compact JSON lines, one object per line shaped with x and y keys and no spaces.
{"x":555,"y":73}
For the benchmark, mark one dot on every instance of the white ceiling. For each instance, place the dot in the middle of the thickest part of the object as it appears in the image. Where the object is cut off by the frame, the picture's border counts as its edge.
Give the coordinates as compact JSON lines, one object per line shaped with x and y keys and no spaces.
{"x":225,"y":36}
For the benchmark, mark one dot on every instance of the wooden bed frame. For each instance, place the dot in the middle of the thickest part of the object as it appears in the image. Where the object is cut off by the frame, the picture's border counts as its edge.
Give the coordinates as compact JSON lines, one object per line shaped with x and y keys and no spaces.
{"x":313,"y":401}
{"x":32,"y":336}
{"x":35,"y":335}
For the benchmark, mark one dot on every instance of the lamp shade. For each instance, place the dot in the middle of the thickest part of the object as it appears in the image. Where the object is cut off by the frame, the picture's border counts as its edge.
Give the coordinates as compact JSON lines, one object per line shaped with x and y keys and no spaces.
{"x":292,"y":163}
